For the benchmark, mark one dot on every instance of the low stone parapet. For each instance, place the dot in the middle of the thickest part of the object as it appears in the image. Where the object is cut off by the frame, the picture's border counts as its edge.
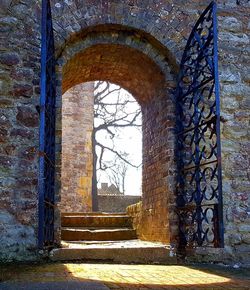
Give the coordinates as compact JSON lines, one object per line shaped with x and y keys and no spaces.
{"x":135,"y":211}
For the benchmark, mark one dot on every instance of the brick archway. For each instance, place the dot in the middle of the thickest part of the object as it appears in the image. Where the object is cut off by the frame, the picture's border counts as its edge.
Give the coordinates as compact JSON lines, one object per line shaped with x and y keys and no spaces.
{"x":146,"y":69}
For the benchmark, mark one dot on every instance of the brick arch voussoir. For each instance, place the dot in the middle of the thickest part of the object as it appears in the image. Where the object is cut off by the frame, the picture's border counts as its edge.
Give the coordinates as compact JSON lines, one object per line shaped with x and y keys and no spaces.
{"x":135,"y":42}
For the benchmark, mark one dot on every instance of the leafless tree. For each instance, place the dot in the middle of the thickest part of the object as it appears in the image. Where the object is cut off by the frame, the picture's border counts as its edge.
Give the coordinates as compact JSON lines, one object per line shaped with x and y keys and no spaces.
{"x":113,"y":111}
{"x":117,"y":173}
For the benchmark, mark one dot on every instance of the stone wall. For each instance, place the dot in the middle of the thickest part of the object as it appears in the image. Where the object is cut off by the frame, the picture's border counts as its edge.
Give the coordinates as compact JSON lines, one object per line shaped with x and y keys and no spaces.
{"x":234,"y":68}
{"x":77,"y":127}
{"x":148,"y":40}
{"x":116,"y":203}
{"x":19,"y":129}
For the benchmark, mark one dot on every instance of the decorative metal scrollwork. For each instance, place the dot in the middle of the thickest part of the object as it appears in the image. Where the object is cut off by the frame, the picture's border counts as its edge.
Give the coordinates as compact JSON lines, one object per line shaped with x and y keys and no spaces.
{"x":47,"y":112}
{"x":199,"y":184}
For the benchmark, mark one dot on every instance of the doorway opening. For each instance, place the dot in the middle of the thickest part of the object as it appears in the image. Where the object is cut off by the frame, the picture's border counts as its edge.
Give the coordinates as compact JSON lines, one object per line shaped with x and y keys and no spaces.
{"x":150,"y":80}
{"x":101,"y":149}
{"x":151,"y":85}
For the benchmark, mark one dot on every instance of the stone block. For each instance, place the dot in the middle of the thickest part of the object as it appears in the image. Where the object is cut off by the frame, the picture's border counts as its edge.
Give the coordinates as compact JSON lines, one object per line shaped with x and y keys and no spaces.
{"x":27,"y":117}
{"x":9,"y":58}
{"x":231,"y":24}
{"x":23,"y":90}
{"x":238,"y":39}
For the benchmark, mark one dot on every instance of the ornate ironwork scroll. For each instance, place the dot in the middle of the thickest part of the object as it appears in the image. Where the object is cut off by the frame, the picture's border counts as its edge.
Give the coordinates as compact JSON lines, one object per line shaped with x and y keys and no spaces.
{"x":199,"y":184}
{"x":47,"y":131}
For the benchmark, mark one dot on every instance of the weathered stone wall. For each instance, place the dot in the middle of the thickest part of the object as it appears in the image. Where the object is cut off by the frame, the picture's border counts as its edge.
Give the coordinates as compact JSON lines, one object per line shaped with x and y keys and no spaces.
{"x":146,"y":30}
{"x":116,"y":203}
{"x":234,"y":68}
{"x":19,"y":121}
{"x":77,"y":127}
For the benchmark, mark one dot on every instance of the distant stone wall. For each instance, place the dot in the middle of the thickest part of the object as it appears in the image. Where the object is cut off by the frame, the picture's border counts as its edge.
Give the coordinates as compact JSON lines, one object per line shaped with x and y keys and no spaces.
{"x":77,"y":126}
{"x":116,"y":203}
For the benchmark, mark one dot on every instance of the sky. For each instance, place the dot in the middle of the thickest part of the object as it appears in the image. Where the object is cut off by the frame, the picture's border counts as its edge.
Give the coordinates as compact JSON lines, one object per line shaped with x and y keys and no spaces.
{"x":129,"y":139}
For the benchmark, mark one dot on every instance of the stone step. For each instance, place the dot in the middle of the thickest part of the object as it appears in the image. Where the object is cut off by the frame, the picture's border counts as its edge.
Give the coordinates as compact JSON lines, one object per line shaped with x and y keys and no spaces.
{"x":97,"y":213}
{"x":134,"y":251}
{"x":97,"y":234}
{"x":96,"y":221}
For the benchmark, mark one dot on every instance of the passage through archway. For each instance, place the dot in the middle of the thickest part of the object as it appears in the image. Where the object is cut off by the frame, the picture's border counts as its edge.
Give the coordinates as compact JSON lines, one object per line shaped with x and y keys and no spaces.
{"x":150,"y":85}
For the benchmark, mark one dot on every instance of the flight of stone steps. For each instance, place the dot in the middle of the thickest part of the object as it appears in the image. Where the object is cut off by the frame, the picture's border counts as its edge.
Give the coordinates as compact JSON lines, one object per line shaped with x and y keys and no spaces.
{"x":106,"y":238}
{"x":97,"y":227}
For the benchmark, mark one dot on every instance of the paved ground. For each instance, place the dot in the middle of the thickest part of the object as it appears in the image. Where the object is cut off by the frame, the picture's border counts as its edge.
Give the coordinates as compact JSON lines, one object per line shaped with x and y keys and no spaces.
{"x":80,"y":276}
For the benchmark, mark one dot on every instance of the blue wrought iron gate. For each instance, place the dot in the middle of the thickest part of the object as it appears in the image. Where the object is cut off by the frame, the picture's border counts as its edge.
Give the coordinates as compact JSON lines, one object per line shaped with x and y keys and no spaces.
{"x":199,"y":184}
{"x":47,"y":132}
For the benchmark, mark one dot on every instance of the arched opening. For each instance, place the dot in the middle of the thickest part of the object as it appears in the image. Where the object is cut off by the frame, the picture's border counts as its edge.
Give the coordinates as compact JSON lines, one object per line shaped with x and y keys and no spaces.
{"x":101,"y":149}
{"x":134,"y":64}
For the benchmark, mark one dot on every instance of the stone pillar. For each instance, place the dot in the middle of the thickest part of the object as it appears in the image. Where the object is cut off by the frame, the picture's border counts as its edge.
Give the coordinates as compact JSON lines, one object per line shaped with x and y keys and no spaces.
{"x":77,"y":126}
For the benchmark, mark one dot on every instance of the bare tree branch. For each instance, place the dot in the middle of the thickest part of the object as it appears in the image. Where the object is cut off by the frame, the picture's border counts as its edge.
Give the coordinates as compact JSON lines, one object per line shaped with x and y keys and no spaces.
{"x":103,"y":147}
{"x":113,"y":111}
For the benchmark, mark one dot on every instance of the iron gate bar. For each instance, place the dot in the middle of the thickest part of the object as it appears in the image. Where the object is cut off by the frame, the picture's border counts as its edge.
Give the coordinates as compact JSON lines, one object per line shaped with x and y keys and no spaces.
{"x":46,"y":182}
{"x":199,"y":181}
{"x":198,"y":126}
{"x":219,"y":212}
{"x":202,"y":164}
{"x":197,"y":87}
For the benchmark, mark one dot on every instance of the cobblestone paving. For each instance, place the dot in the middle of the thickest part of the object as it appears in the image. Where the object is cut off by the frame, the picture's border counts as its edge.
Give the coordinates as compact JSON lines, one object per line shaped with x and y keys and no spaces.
{"x":124,"y":276}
